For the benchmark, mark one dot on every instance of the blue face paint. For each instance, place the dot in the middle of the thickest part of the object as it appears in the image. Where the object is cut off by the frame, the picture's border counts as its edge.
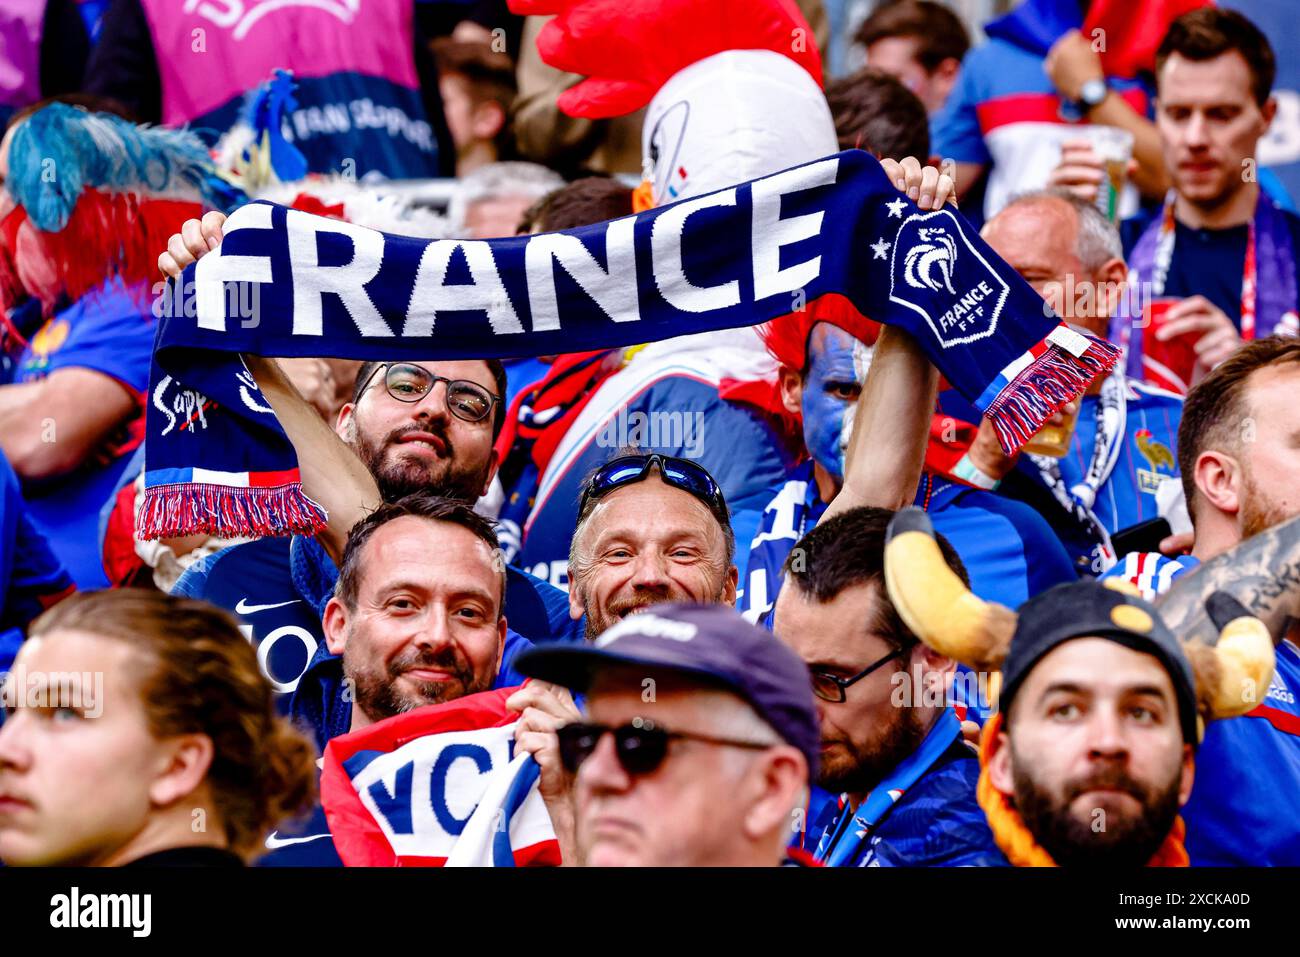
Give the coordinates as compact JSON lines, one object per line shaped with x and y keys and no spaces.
{"x":830,"y":388}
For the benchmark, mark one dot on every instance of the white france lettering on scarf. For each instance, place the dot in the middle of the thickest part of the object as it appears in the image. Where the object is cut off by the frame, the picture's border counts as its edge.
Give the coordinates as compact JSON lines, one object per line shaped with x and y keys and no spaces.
{"x":347,"y":281}
{"x":670,"y":275}
{"x":432,"y":294}
{"x":216,"y":268}
{"x":613,"y":289}
{"x":771,"y":232}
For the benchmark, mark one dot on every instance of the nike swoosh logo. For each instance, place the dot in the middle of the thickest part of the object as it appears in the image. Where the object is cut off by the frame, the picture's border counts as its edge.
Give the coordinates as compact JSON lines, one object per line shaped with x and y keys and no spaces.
{"x":272,"y":841}
{"x":243,"y":608}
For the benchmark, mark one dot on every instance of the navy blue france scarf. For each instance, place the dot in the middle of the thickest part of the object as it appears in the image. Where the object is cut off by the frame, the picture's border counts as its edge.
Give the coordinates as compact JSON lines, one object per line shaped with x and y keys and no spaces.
{"x":286,"y":283}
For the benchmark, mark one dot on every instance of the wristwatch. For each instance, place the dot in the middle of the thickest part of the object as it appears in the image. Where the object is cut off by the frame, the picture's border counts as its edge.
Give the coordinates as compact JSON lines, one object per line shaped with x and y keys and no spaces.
{"x":1092,"y":93}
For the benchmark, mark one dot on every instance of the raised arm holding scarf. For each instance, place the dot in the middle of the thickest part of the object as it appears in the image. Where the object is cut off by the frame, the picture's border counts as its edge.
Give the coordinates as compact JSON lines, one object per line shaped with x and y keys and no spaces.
{"x":286,"y":283}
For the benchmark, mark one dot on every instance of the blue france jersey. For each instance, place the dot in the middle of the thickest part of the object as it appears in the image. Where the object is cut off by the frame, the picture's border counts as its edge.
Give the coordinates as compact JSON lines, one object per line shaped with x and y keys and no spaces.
{"x":935,"y":823}
{"x":1009,"y":551}
{"x":1243,"y":806}
{"x":1147,"y":456}
{"x":307,"y":842}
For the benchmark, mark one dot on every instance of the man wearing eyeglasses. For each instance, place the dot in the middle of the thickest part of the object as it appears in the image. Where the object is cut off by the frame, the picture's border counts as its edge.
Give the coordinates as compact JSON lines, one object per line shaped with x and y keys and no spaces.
{"x":411,"y":426}
{"x":684,"y":703}
{"x":897,"y":781}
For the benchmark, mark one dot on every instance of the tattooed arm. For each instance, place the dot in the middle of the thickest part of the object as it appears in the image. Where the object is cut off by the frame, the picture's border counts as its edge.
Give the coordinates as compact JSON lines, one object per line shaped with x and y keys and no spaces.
{"x":1263,"y":573}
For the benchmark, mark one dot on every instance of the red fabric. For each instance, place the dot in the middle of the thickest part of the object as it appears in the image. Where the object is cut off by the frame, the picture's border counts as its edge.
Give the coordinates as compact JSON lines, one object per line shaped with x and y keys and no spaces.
{"x":1133,"y":31}
{"x":949,"y":440}
{"x":628,"y":49}
{"x":121,"y":564}
{"x":569,"y":385}
{"x":1285,"y":722}
{"x":1038,"y":108}
{"x":318,"y":207}
{"x":108,"y":234}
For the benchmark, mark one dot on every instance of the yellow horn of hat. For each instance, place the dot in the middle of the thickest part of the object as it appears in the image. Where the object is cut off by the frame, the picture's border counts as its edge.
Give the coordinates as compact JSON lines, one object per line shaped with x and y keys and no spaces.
{"x":935,"y":603}
{"x":1233,"y":675}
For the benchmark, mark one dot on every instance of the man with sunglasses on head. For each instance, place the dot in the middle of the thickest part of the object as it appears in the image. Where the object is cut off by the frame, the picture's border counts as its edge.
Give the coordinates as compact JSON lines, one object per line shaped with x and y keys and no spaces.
{"x":410,"y":427}
{"x":652,"y":529}
{"x":684,"y":703}
{"x":897,"y":780}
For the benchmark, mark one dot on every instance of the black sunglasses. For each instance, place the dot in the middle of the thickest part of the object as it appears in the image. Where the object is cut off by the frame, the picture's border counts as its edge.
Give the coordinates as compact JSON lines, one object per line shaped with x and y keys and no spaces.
{"x":835,"y":689}
{"x":679,"y":473}
{"x":408,"y":382}
{"x":639,"y":750}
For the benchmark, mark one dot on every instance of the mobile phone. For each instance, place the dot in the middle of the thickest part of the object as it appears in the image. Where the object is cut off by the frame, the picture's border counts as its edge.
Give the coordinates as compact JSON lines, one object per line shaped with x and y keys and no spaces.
{"x":1142,"y":537}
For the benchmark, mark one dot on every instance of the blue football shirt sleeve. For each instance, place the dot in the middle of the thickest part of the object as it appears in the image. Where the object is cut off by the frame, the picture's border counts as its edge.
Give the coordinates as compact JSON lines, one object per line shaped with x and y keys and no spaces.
{"x":111,"y":331}
{"x":955,"y":130}
{"x":507,"y":677}
{"x":1047,"y":563}
{"x":31,"y":577}
{"x":193,"y":582}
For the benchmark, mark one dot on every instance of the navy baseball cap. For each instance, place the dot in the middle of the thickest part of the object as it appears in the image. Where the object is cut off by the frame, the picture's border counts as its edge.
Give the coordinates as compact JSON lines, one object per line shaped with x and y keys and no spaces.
{"x":1089,"y":609}
{"x":713,"y":643}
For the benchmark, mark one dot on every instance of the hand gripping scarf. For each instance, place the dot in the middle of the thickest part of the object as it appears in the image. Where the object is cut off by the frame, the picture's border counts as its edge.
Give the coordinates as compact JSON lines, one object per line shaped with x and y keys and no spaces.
{"x":286,"y":283}
{"x":438,"y":786}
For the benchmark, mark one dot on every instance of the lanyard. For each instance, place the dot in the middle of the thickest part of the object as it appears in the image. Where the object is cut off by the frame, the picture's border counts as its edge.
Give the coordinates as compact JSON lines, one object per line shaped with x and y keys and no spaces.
{"x":1248,"y":287}
{"x":835,"y":851}
{"x":1164,"y":255}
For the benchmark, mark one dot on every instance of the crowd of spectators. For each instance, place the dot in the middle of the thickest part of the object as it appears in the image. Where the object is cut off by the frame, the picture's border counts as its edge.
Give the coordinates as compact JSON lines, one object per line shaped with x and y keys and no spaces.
{"x":493,"y":527}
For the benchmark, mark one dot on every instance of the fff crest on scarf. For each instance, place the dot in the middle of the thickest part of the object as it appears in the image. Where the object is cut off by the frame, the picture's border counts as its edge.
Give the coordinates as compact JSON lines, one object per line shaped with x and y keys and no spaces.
{"x":933,"y":261}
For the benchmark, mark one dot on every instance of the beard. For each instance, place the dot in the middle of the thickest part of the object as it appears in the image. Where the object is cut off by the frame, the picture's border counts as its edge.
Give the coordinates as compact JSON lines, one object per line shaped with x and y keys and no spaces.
{"x":867,"y":764}
{"x":1121,"y":842}
{"x":378,"y":694}
{"x":1259,"y":513}
{"x":599,"y":621}
{"x":398,"y":476}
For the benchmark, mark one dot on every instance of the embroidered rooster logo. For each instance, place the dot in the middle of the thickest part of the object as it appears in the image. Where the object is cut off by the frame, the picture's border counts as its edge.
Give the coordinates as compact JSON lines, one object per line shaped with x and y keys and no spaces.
{"x":1154,"y":452}
{"x":936,"y":251}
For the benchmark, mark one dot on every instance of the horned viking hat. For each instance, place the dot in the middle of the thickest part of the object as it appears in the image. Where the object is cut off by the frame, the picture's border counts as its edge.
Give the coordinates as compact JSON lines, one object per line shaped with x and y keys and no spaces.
{"x":1227,"y":677}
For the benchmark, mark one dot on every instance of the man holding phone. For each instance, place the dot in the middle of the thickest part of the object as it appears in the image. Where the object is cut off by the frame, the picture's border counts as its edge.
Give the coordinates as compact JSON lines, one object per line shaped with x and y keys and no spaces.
{"x":1239,"y":459}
